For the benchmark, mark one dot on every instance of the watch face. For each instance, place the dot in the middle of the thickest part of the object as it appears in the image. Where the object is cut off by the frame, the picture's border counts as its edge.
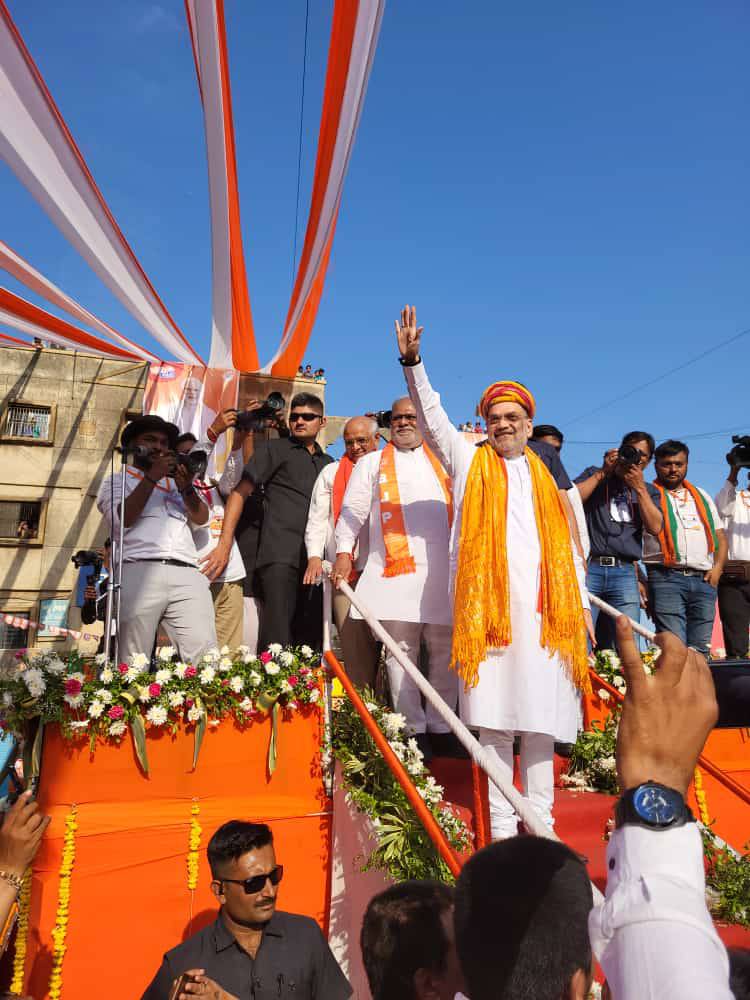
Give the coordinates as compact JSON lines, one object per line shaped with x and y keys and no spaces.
{"x":657,"y":805}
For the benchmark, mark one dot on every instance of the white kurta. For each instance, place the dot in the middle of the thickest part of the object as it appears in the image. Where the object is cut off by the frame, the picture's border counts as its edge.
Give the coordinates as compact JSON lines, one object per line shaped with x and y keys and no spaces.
{"x":522,"y":687}
{"x":422,"y":596}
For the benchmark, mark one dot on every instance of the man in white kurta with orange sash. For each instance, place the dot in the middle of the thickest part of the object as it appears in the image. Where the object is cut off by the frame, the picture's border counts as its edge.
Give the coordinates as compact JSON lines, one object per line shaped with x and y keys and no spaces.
{"x":404,"y":494}
{"x":518,"y":585}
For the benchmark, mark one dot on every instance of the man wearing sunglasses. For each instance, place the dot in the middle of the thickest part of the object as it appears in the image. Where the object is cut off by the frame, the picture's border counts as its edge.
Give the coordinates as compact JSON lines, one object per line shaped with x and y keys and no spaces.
{"x":287,"y":469}
{"x":252,"y":951}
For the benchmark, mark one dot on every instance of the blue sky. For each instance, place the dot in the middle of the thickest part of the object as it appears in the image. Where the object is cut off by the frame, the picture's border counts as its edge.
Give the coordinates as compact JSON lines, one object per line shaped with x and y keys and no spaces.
{"x":561,"y":189}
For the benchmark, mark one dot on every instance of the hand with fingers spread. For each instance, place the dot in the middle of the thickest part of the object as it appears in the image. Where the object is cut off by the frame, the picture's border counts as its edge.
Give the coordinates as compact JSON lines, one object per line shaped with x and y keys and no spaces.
{"x":666,"y":716}
{"x":409,"y":334}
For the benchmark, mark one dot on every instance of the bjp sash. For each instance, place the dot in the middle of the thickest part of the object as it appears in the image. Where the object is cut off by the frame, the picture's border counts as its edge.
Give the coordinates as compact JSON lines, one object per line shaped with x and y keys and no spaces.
{"x":668,"y":533}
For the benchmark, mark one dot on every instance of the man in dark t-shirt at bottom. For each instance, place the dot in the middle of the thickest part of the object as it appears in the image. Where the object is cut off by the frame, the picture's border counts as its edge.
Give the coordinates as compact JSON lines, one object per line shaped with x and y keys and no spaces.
{"x":252,"y":951}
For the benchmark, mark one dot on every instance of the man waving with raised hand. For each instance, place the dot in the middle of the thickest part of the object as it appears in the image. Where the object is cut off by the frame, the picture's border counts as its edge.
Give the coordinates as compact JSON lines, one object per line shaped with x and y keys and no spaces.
{"x":520,"y":607}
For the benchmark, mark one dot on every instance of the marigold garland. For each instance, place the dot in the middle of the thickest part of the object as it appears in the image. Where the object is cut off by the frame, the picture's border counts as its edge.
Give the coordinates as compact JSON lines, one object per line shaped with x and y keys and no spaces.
{"x":700,"y":798}
{"x":60,"y":930}
{"x":194,"y":843}
{"x":22,"y":934}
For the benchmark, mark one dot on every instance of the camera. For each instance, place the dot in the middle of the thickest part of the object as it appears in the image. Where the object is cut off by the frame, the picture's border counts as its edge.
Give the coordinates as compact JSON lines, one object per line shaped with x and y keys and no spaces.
{"x":88,"y":557}
{"x":628,"y":454}
{"x":255,"y":420}
{"x":90,"y":609}
{"x":739,"y":456}
{"x":381,"y":417}
{"x":195,"y":463}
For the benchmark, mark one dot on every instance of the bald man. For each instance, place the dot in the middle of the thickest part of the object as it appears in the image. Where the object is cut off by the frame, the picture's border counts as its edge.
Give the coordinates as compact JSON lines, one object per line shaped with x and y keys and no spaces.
{"x":403,"y":496}
{"x":520,"y":608}
{"x":359,"y":648}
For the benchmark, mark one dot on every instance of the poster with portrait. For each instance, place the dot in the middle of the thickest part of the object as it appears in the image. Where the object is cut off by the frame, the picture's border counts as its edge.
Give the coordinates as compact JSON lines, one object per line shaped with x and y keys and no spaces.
{"x":190,"y":396}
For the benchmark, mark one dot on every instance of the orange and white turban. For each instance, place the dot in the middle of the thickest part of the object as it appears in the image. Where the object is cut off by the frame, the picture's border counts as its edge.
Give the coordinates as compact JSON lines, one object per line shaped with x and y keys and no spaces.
{"x":507,"y":392}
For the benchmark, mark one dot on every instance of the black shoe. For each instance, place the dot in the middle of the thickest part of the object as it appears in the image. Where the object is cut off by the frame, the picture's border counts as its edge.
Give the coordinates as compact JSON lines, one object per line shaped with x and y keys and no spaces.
{"x":424,"y":742}
{"x":448,"y":745}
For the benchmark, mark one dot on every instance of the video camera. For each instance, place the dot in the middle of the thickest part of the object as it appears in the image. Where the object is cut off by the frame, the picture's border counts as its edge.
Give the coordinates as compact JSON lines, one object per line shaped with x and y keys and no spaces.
{"x":255,"y":420}
{"x":628,"y":454}
{"x":739,"y":456}
{"x":195,"y":463}
{"x":91,"y":609}
{"x":381,"y":417}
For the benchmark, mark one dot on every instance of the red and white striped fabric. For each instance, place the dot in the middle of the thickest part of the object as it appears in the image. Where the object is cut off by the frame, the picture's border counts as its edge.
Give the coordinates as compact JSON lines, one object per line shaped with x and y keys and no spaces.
{"x":24,"y":316}
{"x":37,"y":145}
{"x":354,"y":37}
{"x":11,"y":262}
{"x":232,"y":336}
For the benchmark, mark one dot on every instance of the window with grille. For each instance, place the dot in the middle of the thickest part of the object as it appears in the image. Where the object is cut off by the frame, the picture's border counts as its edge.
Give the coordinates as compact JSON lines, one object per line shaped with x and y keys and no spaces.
{"x":27,"y":420}
{"x":20,"y":520}
{"x":12,"y":637}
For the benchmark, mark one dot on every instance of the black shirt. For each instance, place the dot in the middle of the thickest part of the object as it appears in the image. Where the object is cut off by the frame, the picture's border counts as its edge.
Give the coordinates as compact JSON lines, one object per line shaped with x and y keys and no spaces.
{"x":613,"y":517}
{"x":551,"y":458}
{"x":293,"y":961}
{"x":288,"y":471}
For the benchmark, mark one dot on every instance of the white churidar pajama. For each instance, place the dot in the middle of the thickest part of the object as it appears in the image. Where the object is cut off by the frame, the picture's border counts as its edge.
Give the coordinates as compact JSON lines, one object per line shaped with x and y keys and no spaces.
{"x":521,"y":689}
{"x":411,"y":606}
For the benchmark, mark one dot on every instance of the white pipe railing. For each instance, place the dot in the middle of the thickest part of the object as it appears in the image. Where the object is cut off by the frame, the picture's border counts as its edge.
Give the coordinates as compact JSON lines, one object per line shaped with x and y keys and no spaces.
{"x":614,"y":613}
{"x":481,"y":755}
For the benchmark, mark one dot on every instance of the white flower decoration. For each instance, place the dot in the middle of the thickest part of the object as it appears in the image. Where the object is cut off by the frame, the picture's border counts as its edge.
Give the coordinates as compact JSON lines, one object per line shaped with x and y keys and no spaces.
{"x":314,"y":695}
{"x":131,"y":673}
{"x":55,"y":665}
{"x":254,"y":678}
{"x":179,"y":670}
{"x":139,"y":661}
{"x":157,"y":715}
{"x":75,"y":701}
{"x":286,"y":658}
{"x":225,"y":664}
{"x":604,"y":695}
{"x":224,"y":650}
{"x":207,"y":675}
{"x":165,"y":652}
{"x":246,"y":705}
{"x":117,"y":728}
{"x":236,"y":683}
{"x":275,"y":648}
{"x":144,"y":695}
{"x":272,"y":668}
{"x":306,"y":652}
{"x":34,"y":680}
{"x":176,"y":699}
{"x":163,"y":676}
{"x":194,"y":713}
{"x":107,"y":675}
{"x":96,"y":708}
{"x":80,"y":724}
{"x":104,"y":695}
{"x":100,"y":659}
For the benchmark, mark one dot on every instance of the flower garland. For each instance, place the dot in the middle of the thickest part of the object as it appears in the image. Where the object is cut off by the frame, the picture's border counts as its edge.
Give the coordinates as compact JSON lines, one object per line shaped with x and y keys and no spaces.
{"x":60,"y":930}
{"x":194,"y":843}
{"x":700,"y":798}
{"x":22,"y":935}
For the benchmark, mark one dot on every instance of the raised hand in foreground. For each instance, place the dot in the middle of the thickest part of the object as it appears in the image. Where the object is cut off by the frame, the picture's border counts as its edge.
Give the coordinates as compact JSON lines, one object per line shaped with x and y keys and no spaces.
{"x":408,"y":334}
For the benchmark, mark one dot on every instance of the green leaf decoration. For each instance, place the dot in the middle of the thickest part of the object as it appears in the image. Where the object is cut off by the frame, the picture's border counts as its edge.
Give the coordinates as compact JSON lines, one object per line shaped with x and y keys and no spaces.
{"x":273,"y":742}
{"x":138,"y":729}
{"x":200,"y":732}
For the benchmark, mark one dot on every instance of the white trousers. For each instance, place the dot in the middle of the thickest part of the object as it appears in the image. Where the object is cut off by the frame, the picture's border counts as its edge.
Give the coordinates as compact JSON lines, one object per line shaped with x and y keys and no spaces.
{"x":177,"y":596}
{"x":537,"y":777}
{"x":251,"y":623}
{"x":406,"y":696}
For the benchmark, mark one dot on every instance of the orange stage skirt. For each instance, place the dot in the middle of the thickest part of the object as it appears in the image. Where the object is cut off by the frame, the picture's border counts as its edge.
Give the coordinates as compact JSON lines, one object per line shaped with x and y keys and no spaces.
{"x":129,"y":899}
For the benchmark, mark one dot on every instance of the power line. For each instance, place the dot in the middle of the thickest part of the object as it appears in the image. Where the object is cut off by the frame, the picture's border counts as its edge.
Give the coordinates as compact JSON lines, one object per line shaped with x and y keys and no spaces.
{"x":299,"y":145}
{"x":682,"y":437}
{"x":658,"y":378}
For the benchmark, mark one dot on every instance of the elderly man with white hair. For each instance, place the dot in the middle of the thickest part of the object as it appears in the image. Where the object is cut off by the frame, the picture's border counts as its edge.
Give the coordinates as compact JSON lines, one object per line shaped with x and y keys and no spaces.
{"x":357,"y":643}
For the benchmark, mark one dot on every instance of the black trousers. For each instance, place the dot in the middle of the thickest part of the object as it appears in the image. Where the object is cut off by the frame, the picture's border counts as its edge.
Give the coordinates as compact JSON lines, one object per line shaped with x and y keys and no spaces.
{"x":290,"y":613}
{"x":734,"y":610}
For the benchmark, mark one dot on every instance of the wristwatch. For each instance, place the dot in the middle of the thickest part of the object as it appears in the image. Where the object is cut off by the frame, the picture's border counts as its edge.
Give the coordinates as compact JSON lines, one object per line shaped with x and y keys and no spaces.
{"x":410,"y":364}
{"x":653,"y":806}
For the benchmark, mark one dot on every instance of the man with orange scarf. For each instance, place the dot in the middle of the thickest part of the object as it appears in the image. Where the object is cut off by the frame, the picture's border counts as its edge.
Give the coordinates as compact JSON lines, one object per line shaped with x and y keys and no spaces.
{"x":520,"y":608}
{"x":402,"y":494}
{"x":357,"y":643}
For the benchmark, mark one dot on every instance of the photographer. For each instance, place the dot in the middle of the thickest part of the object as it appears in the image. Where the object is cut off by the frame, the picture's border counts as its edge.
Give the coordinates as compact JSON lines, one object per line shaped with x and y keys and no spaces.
{"x":619,"y":504}
{"x":160,"y":575}
{"x":733,"y":506}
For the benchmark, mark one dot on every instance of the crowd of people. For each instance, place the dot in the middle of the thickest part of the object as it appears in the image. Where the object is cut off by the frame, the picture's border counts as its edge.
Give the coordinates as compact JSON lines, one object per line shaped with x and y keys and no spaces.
{"x":313,"y":374}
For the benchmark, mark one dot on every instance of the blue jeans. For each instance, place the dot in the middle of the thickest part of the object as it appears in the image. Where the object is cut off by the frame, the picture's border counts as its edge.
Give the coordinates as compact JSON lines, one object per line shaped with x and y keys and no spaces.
{"x":618,"y":586}
{"x":683,"y":605}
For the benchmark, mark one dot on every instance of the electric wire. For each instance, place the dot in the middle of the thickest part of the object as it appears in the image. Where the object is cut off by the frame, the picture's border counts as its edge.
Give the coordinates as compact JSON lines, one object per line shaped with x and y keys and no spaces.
{"x":299,"y":145}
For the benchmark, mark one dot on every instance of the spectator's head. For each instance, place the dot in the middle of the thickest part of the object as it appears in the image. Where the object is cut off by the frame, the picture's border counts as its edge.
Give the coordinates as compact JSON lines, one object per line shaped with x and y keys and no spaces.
{"x":549,"y":434}
{"x":407,"y":943}
{"x":308,"y":369}
{"x":360,"y":437}
{"x":245,"y":876}
{"x":185,"y":443}
{"x":508,"y":409}
{"x":405,"y":432}
{"x":149,"y":432}
{"x":739,"y":972}
{"x":671,"y":464}
{"x":306,"y":416}
{"x":643,"y":443}
{"x":521,"y":918}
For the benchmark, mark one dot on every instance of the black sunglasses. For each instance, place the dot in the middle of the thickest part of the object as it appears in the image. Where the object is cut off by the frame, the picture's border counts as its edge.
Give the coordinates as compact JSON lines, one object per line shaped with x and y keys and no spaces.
{"x":257,"y":882}
{"x":307,"y":416}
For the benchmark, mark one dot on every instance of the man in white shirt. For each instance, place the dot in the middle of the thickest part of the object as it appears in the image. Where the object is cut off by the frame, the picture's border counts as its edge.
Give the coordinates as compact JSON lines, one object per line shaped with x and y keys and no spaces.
{"x":404,"y":496}
{"x":226,"y":589}
{"x":359,"y":648}
{"x":522,"y":906}
{"x":685,"y":561}
{"x":520,"y":606}
{"x":160,"y":575}
{"x":733,"y":506}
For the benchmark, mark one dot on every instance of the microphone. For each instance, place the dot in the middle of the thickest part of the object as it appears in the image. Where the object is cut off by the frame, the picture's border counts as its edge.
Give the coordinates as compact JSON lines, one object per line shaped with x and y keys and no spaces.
{"x":136,"y":450}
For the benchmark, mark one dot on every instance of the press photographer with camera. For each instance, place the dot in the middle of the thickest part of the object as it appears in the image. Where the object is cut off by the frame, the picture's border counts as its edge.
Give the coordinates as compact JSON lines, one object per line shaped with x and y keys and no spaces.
{"x":618,"y":504}
{"x":733,"y":506}
{"x":160,"y":576}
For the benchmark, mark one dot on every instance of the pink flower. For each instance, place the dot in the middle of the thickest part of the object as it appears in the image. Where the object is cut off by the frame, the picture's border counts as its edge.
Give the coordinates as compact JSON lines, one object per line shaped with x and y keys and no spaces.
{"x":122,"y":668}
{"x":225,"y":682}
{"x":191,"y":671}
{"x":310,"y":685}
{"x":189,"y":703}
{"x":294,"y":680}
{"x":154,"y":690}
{"x":304,"y":671}
{"x":265,"y":657}
{"x":116,"y":712}
{"x":73,"y":686}
{"x":20,"y":654}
